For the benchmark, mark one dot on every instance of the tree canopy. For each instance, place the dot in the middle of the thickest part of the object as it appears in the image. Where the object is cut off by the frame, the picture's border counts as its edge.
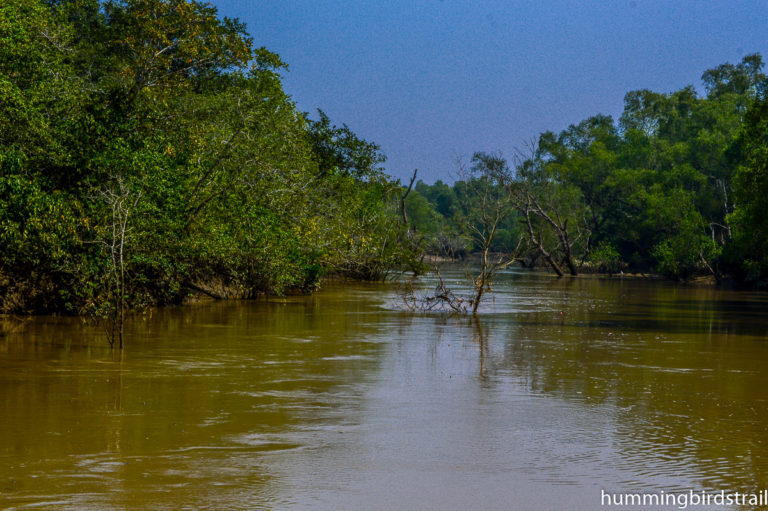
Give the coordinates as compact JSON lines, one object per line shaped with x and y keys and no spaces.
{"x":676,"y":186}
{"x":154,"y":137}
{"x":167,"y":109}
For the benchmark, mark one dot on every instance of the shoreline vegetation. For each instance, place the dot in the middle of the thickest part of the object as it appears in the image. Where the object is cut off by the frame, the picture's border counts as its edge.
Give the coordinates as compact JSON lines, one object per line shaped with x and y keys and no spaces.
{"x":148,"y":152}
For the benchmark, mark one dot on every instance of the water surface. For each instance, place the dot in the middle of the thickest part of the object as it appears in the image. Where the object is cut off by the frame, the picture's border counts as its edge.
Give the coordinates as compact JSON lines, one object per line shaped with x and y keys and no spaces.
{"x":342,"y":400}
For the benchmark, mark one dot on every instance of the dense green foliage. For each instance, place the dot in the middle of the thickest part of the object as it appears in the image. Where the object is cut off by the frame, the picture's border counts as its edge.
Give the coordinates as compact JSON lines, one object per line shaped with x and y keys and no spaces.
{"x":677,"y":186}
{"x":747,"y":256}
{"x":147,"y":148}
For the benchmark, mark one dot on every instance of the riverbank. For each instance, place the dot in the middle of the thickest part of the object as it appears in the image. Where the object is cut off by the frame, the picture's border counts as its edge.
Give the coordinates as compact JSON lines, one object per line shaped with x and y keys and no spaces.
{"x":586,"y":270}
{"x":18,"y":293}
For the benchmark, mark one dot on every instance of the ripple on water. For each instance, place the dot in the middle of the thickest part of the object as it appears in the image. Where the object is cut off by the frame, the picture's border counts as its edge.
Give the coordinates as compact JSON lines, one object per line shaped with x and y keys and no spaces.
{"x":267,"y":442}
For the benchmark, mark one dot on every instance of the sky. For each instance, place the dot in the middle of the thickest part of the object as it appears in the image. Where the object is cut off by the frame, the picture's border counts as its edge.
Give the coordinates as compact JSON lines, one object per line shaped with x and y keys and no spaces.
{"x":429,"y":80}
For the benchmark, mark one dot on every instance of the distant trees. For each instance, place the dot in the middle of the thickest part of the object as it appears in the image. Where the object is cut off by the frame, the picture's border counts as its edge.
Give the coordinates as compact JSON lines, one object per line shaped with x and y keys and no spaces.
{"x":673,"y":187}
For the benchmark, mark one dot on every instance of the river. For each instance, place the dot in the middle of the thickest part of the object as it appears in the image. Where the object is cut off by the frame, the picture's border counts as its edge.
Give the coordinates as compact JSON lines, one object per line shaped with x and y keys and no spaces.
{"x":562,"y":392}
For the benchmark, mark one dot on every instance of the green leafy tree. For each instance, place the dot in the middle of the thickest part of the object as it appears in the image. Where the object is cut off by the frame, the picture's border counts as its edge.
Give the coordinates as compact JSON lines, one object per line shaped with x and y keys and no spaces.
{"x":337,"y":150}
{"x":748,"y":255}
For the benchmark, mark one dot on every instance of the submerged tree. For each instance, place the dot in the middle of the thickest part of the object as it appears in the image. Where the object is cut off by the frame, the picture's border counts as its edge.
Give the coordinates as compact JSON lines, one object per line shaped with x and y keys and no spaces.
{"x":486,"y":203}
{"x":121,"y":200}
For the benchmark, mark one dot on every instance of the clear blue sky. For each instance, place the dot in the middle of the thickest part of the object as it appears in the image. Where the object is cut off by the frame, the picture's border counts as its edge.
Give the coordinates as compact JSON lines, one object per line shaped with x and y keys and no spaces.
{"x":429,"y":79}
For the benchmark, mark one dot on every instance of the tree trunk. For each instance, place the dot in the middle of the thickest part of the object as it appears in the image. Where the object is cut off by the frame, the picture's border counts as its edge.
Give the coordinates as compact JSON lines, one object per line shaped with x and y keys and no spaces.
{"x":536,"y":240}
{"x":402,"y":203}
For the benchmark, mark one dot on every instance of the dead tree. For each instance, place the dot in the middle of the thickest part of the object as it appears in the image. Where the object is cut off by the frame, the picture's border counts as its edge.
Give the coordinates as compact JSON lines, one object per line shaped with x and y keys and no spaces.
{"x":536,"y":238}
{"x":402,"y":203}
{"x":442,"y":299}
{"x":560,"y":228}
{"x":122,"y":201}
{"x":538,"y":196}
{"x":487,"y":206}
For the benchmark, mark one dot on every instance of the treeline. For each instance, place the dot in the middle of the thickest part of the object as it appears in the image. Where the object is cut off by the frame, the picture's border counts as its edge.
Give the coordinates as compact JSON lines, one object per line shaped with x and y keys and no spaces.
{"x":148,"y":150}
{"x":679,"y":186}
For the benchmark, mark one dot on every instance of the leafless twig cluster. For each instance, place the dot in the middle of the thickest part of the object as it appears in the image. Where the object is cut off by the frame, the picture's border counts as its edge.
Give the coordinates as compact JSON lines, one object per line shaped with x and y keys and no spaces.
{"x":122,"y":201}
{"x":442,"y":299}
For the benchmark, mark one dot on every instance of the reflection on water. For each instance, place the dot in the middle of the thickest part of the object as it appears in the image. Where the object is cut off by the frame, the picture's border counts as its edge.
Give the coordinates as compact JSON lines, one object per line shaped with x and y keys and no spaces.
{"x":340,"y":400}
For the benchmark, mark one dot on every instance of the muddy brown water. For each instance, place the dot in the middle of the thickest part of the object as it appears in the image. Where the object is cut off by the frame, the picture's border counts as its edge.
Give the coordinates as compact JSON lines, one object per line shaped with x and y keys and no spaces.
{"x":561,"y":390}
